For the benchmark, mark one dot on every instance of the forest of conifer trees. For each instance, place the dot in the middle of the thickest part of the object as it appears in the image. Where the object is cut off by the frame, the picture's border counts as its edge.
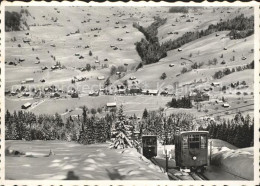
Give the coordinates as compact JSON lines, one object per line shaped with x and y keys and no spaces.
{"x":89,"y":129}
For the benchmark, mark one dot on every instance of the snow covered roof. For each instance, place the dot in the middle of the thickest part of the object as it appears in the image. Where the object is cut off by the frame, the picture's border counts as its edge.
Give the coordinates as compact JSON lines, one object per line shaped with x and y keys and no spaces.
{"x":101,"y":77}
{"x":27,"y":104}
{"x":153,"y":91}
{"x":112,"y":104}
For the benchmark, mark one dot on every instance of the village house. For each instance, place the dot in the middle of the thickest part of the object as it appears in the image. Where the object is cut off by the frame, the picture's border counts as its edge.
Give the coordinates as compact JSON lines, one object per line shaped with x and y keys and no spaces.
{"x":199,"y":96}
{"x":153,"y":92}
{"x":111,"y":105}
{"x":44,"y":68}
{"x":13,"y":93}
{"x":74,"y":95}
{"x":164,"y":93}
{"x":7,"y":92}
{"x":135,"y":90}
{"x":93,"y":93}
{"x":26,"y":105}
{"x":26,"y":40}
{"x":225,"y":105}
{"x":28,"y":80}
{"x":215,"y":84}
{"x":101,"y":77}
{"x":26,"y":94}
{"x":55,"y":95}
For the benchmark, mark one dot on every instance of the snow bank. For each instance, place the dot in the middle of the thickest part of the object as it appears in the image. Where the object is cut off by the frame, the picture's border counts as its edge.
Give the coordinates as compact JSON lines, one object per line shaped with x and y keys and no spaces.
{"x":238,"y":162}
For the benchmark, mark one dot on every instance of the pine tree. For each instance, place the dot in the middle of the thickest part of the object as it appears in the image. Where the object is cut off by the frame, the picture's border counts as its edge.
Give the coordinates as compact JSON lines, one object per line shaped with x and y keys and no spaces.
{"x":145,"y":114}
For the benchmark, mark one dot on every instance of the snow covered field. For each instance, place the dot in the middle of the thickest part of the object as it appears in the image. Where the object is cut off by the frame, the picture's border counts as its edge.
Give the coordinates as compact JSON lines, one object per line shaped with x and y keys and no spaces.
{"x":75,"y":161}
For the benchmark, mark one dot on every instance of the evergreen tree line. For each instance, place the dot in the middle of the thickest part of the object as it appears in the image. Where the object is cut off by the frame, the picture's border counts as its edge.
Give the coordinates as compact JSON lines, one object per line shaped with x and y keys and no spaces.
{"x":238,"y":131}
{"x":83,"y":128}
{"x":151,"y":51}
{"x":221,"y":73}
{"x":165,"y":127}
{"x":12,"y":21}
{"x":184,"y":102}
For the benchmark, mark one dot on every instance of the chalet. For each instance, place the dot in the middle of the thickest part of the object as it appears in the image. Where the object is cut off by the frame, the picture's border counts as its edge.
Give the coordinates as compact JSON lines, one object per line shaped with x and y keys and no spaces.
{"x":179,"y":49}
{"x":93,"y":93}
{"x":37,"y":62}
{"x":153,"y":92}
{"x":55,"y":95}
{"x":121,"y":91}
{"x":171,"y":65}
{"x":42,"y":80}
{"x":101,"y":77}
{"x":219,"y":101}
{"x":97,"y":61}
{"x":12,"y":63}
{"x":243,"y":58}
{"x":215,"y":84}
{"x":47,"y":89}
{"x":199,"y":96}
{"x":54,"y":67}
{"x":26,"y":105}
{"x":26,"y":94}
{"x":118,"y":73}
{"x":164,"y":93}
{"x":70,"y":92}
{"x":111,"y":105}
{"x":132,"y":78}
{"x":26,"y":40}
{"x":225,"y":105}
{"x":44,"y":68}
{"x":134,"y":90}
{"x":21,"y":60}
{"x":74,"y":95}
{"x":145,"y":92}
{"x":13,"y":93}
{"x":80,"y":78}
{"x":8,"y":92}
{"x":29,"y":80}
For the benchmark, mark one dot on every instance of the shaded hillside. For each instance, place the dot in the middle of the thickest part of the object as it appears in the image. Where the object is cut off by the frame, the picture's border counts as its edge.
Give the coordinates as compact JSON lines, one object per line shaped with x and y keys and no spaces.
{"x":14,"y":21}
{"x":151,"y":51}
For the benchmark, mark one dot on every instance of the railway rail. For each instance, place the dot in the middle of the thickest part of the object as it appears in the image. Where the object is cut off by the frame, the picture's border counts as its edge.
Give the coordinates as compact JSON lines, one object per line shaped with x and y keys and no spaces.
{"x":175,"y":174}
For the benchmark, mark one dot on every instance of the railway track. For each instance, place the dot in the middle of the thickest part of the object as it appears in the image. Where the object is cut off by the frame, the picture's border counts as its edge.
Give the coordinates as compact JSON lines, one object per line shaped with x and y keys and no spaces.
{"x":175,"y":174}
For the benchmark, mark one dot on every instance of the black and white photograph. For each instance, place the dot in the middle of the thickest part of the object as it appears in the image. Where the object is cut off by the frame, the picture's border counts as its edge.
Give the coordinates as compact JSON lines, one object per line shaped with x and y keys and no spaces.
{"x":130,"y":92}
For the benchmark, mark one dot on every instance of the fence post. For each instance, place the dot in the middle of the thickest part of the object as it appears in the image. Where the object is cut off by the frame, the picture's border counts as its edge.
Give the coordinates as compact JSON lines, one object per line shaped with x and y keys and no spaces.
{"x":210,"y":152}
{"x":166,"y":168}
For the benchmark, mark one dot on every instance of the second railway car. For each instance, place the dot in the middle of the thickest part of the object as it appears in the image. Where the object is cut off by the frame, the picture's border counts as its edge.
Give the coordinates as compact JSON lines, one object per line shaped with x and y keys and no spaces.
{"x":149,"y":144}
{"x":191,"y":150}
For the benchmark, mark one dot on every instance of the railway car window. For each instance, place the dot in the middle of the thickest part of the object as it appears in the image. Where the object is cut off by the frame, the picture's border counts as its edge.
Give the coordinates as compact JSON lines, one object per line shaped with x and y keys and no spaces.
{"x":194,"y":141}
{"x":202,"y":141}
{"x":185,"y":142}
{"x":150,"y":141}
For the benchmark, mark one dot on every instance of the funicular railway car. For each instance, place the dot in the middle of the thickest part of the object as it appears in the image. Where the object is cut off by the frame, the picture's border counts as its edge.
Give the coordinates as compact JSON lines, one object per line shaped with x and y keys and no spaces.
{"x":149,"y":146}
{"x":191,"y":150}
